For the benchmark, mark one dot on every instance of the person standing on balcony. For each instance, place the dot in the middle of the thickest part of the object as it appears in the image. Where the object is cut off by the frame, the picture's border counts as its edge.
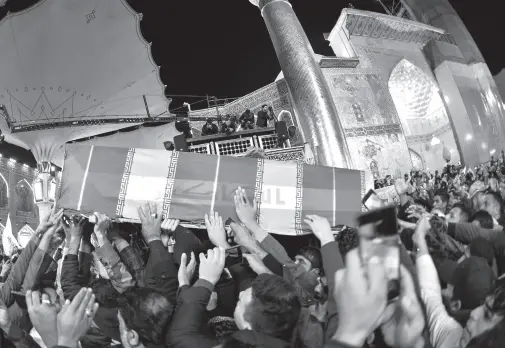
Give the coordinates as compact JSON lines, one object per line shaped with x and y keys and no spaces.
{"x":271,"y":117}
{"x":262,"y":116}
{"x":209,"y":128}
{"x":247,"y":120}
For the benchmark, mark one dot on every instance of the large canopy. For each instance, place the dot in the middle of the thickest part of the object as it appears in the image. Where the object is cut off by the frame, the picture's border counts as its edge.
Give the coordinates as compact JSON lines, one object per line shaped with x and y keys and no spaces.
{"x":68,"y":60}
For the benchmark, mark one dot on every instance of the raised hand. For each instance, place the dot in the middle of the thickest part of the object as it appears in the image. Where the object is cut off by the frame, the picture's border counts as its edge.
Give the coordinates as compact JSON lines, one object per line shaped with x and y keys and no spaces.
{"x":43,"y":316}
{"x":102,"y":224}
{"x":361,"y":298}
{"x":151,"y":222}
{"x":321,"y":228}
{"x":415,"y":211}
{"x":406,"y":326}
{"x":75,"y":318}
{"x":75,"y":228}
{"x":422,"y":229}
{"x":212,"y":265}
{"x":49,"y":222}
{"x":100,"y":229}
{"x":242,"y":236}
{"x":245,"y":210}
{"x":5,"y":319}
{"x":169,"y":225}
{"x":215,"y":230}
{"x":186,"y":270}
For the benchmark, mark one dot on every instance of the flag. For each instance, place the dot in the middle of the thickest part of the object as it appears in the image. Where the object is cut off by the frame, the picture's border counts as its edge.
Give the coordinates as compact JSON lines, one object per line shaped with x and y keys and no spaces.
{"x":186,"y":186}
{"x":10,"y":244}
{"x":24,"y":235}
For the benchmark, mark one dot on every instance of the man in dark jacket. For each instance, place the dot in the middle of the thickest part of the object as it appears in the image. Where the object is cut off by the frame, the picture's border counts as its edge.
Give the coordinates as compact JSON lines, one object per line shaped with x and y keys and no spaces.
{"x":209,"y":128}
{"x":262,"y":120}
{"x":247,"y":120}
{"x":257,"y":326}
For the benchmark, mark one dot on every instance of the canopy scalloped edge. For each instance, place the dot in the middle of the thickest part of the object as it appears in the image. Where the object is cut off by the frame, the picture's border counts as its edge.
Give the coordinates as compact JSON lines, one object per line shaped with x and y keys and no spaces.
{"x":138,"y":18}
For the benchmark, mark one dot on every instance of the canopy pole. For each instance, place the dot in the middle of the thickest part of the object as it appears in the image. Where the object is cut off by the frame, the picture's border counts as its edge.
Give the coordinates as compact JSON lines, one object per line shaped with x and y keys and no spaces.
{"x":147,"y":108}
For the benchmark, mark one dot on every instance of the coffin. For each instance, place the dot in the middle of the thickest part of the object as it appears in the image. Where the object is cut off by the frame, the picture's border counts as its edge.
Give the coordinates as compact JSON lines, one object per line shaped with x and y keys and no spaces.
{"x":186,"y":186}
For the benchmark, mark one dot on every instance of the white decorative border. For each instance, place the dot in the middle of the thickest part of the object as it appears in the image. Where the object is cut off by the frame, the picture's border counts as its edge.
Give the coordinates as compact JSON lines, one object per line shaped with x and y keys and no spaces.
{"x":124,"y":182}
{"x":169,"y":188}
{"x":258,"y":186}
{"x":299,"y":198}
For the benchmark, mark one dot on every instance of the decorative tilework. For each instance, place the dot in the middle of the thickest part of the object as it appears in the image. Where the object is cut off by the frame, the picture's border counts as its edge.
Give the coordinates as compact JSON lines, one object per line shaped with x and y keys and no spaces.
{"x":426,"y":138}
{"x":167,"y":198}
{"x":384,"y":154}
{"x":361,"y":23}
{"x":258,"y":187}
{"x":363,"y":189}
{"x":373,"y":130}
{"x":299,"y":198}
{"x":124,"y":182}
{"x":366,"y":91}
{"x":288,"y":156}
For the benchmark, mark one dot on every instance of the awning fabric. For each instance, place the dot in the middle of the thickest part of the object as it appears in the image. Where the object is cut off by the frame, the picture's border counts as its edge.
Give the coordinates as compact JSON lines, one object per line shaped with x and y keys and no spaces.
{"x":186,"y":186}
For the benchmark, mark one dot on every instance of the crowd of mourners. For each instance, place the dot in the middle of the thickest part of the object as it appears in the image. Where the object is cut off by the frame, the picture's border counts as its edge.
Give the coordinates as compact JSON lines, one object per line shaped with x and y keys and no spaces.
{"x":98,"y":284}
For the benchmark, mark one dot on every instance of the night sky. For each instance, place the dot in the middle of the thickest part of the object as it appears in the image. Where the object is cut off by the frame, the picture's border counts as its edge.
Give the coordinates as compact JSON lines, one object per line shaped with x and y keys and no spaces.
{"x":221,"y":48}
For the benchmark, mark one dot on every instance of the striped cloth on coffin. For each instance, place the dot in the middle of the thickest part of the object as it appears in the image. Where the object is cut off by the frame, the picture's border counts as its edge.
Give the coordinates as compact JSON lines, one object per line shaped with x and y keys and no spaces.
{"x":186,"y":186}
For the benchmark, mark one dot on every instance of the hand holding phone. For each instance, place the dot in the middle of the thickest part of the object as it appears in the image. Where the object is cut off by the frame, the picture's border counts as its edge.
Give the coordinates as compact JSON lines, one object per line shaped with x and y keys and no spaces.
{"x":379,"y":239}
{"x":372,"y":201}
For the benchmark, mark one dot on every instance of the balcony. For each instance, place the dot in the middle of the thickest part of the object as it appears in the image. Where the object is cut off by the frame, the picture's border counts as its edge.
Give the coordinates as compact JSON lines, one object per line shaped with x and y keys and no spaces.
{"x":237,"y":144}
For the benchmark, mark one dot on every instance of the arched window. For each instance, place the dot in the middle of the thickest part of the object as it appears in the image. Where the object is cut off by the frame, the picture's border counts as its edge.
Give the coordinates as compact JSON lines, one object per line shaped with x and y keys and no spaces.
{"x":4,"y":192}
{"x":286,"y":117}
{"x":417,"y":161}
{"x":24,"y":197}
{"x":421,"y":110}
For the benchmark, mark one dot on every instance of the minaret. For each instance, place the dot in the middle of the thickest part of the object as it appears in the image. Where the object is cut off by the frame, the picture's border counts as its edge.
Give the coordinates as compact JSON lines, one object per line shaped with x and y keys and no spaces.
{"x":314,"y":106}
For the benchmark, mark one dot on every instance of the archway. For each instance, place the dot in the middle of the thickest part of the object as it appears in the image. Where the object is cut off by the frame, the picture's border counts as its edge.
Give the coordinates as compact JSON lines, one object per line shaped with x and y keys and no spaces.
{"x":25,"y":199}
{"x":287,"y":117}
{"x":417,"y":161}
{"x":422,"y":114}
{"x":4,"y":192}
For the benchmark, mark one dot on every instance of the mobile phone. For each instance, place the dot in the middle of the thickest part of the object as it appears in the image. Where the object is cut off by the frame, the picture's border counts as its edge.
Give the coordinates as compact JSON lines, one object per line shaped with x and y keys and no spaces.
{"x":371,"y":201}
{"x":379,"y":238}
{"x":20,"y":299}
{"x":66,"y":220}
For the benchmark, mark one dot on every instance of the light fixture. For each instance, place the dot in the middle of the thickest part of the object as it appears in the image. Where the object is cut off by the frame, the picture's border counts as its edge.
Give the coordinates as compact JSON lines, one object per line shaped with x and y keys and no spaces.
{"x":38,"y":190}
{"x":435,"y":141}
{"x":44,"y":188}
{"x":25,"y":165}
{"x":447,"y":100}
{"x":492,"y":152}
{"x":468,"y":137}
{"x":51,"y":190}
{"x":169,"y":146}
{"x":484,"y":146}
